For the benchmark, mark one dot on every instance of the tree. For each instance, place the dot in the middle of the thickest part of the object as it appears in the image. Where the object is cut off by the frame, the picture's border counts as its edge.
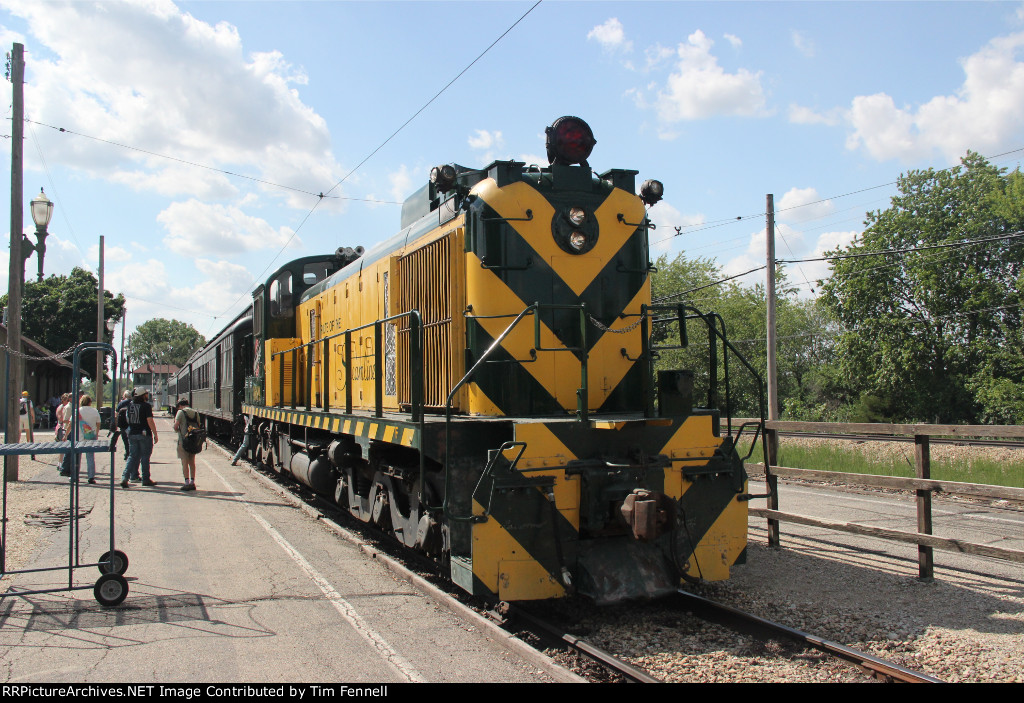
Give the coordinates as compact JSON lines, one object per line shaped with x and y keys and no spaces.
{"x":60,"y":311}
{"x":803,"y":338}
{"x":160,"y":341}
{"x":921,"y":328}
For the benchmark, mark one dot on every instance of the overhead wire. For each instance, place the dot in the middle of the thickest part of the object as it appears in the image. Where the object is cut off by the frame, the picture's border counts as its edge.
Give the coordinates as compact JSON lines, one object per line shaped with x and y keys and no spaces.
{"x":321,"y":196}
{"x":196,"y":164}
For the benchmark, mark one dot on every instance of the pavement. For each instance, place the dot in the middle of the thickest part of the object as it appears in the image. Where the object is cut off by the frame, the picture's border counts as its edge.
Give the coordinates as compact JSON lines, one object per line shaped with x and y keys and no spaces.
{"x":227,"y":583}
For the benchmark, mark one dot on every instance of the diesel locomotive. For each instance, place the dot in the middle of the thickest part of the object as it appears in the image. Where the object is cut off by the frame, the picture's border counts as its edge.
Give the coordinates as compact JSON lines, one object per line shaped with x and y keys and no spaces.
{"x":482,"y":386}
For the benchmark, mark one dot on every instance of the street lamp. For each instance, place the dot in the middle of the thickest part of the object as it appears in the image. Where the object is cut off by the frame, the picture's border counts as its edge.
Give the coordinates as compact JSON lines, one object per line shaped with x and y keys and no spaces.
{"x":42,"y":211}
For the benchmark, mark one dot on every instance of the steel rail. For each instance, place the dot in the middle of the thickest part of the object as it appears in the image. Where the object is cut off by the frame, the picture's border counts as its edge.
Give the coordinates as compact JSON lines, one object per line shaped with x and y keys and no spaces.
{"x":879,"y":667}
{"x":630,"y":672}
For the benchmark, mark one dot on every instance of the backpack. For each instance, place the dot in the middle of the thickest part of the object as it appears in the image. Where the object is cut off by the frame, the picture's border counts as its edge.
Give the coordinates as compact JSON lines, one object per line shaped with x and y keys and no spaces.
{"x":194,"y":437}
{"x":122,"y":419}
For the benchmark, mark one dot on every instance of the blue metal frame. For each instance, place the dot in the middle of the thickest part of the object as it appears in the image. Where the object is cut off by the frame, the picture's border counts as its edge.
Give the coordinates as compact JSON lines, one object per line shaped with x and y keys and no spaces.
{"x":75,"y":447}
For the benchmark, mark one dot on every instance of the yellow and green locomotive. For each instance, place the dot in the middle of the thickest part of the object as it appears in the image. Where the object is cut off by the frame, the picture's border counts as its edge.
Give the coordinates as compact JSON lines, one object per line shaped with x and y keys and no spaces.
{"x":482,"y":386}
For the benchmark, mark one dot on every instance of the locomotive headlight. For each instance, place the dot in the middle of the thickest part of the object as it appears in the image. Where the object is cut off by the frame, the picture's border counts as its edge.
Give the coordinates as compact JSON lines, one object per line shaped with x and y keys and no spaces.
{"x":651,"y":191}
{"x":577,"y":216}
{"x":443,"y":177}
{"x":577,"y":240}
{"x":569,"y":141}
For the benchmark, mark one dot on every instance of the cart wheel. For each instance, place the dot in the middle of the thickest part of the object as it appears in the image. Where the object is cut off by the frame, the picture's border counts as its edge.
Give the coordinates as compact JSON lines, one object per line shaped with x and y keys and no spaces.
{"x":119,"y":566}
{"x":111,"y":590}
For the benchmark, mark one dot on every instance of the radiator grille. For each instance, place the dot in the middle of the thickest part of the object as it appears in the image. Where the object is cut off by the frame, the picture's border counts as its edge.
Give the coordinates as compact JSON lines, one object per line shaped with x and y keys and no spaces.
{"x":425,"y":285}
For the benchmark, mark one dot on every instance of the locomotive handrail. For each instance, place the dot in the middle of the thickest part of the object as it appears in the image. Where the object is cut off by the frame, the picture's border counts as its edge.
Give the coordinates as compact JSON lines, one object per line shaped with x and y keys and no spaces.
{"x":582,"y":394}
{"x":416,"y":371}
{"x":530,"y":309}
{"x":716,"y":330}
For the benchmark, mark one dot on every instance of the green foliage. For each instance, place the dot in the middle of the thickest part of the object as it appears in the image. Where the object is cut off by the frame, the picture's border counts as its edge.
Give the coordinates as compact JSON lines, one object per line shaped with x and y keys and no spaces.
{"x":803,"y":339}
{"x":60,"y":311}
{"x":919,"y":326}
{"x":160,"y":341}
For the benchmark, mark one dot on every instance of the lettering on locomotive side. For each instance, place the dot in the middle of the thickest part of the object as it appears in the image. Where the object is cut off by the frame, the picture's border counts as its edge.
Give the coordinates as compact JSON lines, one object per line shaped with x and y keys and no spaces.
{"x":366,"y":372}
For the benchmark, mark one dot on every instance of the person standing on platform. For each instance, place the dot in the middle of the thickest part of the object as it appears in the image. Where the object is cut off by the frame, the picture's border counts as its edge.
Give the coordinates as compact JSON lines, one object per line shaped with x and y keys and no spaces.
{"x":182,"y":419}
{"x":27,"y":419}
{"x":88,"y":428}
{"x":69,"y":420}
{"x":63,"y":466}
{"x":126,"y":398}
{"x":142,"y":435}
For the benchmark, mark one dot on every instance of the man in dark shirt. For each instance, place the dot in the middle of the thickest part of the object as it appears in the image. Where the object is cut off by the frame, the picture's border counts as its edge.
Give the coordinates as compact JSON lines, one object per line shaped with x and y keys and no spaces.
{"x":126,"y":399}
{"x":141,"y":437}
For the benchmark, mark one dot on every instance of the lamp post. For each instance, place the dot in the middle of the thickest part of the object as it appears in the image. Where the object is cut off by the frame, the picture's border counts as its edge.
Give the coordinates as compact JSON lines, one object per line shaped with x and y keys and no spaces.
{"x":42,"y":211}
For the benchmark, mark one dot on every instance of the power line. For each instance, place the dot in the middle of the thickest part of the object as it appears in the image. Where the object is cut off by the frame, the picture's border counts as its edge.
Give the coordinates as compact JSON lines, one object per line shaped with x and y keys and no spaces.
{"x":724,"y":221}
{"x":212,"y":168}
{"x":1013,"y":235}
{"x":321,"y":196}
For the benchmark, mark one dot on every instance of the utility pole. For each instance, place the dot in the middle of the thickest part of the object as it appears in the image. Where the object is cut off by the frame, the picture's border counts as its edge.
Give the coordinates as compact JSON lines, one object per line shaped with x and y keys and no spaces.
{"x":99,"y":334}
{"x":16,"y":270}
{"x":773,"y":386}
{"x":771,"y":436}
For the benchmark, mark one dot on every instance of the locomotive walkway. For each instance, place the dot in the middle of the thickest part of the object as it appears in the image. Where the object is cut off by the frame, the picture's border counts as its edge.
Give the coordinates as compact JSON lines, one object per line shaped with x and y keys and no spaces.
{"x":228,"y":583}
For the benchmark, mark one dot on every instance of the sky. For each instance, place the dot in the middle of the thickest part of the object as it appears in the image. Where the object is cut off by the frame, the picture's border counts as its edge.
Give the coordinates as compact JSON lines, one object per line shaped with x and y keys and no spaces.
{"x":198,"y":136}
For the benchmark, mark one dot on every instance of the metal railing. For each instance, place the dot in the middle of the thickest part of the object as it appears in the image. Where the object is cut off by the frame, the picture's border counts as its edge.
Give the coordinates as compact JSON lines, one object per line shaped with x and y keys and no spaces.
{"x":417,"y":391}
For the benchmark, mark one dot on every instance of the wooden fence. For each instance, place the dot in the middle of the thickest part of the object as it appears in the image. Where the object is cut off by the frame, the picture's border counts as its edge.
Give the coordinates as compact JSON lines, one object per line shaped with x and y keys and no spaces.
{"x":922,"y":484}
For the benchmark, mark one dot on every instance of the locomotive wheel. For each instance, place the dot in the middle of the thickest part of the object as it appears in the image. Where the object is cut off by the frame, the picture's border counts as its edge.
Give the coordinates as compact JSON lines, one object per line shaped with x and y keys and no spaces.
{"x":111,"y":590}
{"x":119,"y":565}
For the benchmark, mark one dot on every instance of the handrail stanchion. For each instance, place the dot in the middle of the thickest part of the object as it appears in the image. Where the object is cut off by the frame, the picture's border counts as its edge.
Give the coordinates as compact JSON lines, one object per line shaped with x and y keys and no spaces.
{"x":378,"y":376}
{"x":307,"y":394}
{"x":325,"y":380}
{"x":294,"y":380}
{"x":280,"y":387}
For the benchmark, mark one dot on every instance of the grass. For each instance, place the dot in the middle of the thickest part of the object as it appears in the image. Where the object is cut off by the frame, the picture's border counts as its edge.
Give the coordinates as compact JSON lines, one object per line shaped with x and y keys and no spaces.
{"x":986,"y":465}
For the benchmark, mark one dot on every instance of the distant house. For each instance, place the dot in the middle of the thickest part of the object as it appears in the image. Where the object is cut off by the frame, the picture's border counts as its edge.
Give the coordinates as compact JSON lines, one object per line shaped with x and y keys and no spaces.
{"x":154,"y":378}
{"x":43,"y":378}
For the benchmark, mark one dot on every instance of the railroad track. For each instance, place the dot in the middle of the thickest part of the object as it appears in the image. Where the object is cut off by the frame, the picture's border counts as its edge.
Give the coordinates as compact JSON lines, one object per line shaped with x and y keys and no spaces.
{"x":733,"y":617}
{"x":616,"y":669}
{"x":725,"y":615}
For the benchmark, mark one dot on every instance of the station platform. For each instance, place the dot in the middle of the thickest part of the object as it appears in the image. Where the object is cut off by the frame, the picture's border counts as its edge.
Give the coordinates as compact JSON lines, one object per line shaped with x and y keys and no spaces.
{"x":229,"y":583}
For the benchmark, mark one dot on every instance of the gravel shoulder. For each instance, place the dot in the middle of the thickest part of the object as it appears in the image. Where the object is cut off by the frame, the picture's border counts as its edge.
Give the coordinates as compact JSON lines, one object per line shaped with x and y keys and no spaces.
{"x":967,"y":625}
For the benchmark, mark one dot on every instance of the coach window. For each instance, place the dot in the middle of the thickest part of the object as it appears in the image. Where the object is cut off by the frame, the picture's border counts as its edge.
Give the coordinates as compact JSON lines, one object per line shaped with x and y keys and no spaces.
{"x":281,"y":295}
{"x":257,"y":314}
{"x":314,"y":273}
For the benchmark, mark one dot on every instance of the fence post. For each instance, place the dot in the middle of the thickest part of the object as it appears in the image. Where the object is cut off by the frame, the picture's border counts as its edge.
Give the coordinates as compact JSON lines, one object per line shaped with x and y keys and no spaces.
{"x":923,"y":470}
{"x":772,"y":440}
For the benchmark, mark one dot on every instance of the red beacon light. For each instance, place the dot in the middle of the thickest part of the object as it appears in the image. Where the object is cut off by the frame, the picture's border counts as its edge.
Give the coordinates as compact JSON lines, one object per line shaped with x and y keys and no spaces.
{"x":569,"y":141}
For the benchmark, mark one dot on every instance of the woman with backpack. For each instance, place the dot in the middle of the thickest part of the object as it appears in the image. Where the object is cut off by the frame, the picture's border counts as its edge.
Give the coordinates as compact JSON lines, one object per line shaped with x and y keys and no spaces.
{"x":186,"y":423}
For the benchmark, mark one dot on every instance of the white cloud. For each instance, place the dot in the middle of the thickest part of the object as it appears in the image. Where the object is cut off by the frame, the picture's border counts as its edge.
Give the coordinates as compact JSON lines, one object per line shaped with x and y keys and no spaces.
{"x":799,"y":114}
{"x":195,"y":228}
{"x":985,"y":115}
{"x":667,"y":218}
{"x":699,"y":88}
{"x":815,"y":271}
{"x":146,"y":74}
{"x":611,"y":36}
{"x":803,"y":205}
{"x":401,"y":184}
{"x":802,"y":44}
{"x":484,"y":139}
{"x":534,"y":159}
{"x":734,"y":40}
{"x":657,"y":55}
{"x":491,"y":143}
{"x":111,"y":254}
